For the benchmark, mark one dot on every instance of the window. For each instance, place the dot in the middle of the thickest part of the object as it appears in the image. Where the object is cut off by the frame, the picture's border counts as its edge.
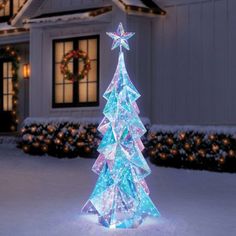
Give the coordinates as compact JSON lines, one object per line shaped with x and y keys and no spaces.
{"x":6,"y":11}
{"x":17,"y":4}
{"x":11,"y":8}
{"x":7,"y":86}
{"x":80,"y":93}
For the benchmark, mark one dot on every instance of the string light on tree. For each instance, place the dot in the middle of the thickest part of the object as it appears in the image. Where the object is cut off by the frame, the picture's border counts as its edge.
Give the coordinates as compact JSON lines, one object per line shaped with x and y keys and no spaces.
{"x":182,"y":135}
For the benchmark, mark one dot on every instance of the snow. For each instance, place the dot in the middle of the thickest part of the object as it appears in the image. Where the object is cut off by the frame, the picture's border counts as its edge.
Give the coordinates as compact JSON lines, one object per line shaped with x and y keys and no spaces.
{"x":44,"y":196}
{"x":78,"y":16}
{"x":6,"y":26}
{"x":196,"y":128}
{"x":137,"y":3}
{"x":58,"y":120}
{"x":71,"y":17}
{"x":8,"y":139}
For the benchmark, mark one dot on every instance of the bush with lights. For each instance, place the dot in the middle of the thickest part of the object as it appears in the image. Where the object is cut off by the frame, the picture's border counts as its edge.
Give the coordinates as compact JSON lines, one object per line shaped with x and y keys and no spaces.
{"x":60,"y":140}
{"x":60,"y":137}
{"x":193,"y":148}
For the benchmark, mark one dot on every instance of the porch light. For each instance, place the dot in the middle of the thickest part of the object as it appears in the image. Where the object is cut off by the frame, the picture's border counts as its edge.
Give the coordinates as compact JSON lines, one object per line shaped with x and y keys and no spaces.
{"x":26,"y":71}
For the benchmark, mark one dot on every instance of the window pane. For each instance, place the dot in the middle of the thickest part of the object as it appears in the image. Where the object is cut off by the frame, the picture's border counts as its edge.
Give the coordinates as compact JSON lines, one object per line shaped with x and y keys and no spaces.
{"x":83,"y":45}
{"x":92,"y":92}
{"x":5,"y":70}
{"x":5,"y":107}
{"x":58,"y":74}
{"x":59,"y":93}
{"x":6,"y":10}
{"x":68,"y":47}
{"x":92,"y":75}
{"x":9,"y":102}
{"x":15,"y":6}
{"x":92,"y":49}
{"x":9,"y":69}
{"x":81,"y":66}
{"x":10,"y":86}
{"x":71,"y":68}
{"x":21,"y":2}
{"x":59,"y":52}
{"x":5,"y":89}
{"x":68,"y":93}
{"x":83,"y":92}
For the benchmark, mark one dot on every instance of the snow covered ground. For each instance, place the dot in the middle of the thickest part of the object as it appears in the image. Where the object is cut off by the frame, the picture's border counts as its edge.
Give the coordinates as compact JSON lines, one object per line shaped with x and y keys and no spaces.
{"x":43,"y":196}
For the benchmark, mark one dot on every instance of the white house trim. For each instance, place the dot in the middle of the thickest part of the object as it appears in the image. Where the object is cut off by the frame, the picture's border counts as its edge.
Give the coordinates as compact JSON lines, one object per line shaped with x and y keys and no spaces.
{"x":14,"y":38}
{"x":137,"y":7}
{"x":29,"y":8}
{"x":78,"y":17}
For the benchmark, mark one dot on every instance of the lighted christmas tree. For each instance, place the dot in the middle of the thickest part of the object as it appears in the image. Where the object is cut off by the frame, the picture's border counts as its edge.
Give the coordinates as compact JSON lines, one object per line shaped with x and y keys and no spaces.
{"x":121,"y":196}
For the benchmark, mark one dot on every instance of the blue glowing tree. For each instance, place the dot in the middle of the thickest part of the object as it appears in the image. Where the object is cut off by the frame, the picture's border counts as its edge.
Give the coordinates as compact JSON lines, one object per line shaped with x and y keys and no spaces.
{"x":120,"y":197}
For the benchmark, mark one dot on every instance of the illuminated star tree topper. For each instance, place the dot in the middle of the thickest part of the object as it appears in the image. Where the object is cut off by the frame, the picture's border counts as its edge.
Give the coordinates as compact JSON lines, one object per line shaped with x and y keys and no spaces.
{"x":120,"y":38}
{"x":121,"y":196}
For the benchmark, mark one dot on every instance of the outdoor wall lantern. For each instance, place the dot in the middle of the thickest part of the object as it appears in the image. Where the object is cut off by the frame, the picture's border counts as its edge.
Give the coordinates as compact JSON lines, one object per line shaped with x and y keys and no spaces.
{"x":26,"y":71}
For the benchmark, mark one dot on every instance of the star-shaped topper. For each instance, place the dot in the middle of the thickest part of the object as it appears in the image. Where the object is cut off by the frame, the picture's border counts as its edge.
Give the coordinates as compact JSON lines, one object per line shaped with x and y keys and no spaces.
{"x":120,"y":38}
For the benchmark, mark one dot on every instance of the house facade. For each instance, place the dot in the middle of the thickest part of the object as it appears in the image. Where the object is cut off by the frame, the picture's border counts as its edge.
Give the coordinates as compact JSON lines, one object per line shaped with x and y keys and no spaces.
{"x":181,"y":58}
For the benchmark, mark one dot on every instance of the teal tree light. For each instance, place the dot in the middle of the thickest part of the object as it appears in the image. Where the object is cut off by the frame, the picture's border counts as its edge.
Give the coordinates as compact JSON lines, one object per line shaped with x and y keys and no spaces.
{"x":121,"y":196}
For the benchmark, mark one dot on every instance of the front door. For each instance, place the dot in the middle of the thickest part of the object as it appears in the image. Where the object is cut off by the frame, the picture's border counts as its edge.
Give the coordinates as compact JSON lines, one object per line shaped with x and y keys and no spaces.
{"x":6,"y":96}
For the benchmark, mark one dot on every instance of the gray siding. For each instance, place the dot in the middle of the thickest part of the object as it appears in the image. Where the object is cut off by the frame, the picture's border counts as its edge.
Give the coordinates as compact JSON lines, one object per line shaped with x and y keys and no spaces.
{"x":194,"y":63}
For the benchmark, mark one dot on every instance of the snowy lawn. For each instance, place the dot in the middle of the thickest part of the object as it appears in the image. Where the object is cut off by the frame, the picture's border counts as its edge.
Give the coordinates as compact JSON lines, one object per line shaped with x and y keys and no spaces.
{"x":43,"y":196}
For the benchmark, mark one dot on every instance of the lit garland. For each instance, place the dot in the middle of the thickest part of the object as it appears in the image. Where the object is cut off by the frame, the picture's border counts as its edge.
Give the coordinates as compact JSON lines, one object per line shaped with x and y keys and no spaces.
{"x":13,"y":31}
{"x":80,"y":55}
{"x":12,"y":55}
{"x":191,"y":149}
{"x":61,"y":140}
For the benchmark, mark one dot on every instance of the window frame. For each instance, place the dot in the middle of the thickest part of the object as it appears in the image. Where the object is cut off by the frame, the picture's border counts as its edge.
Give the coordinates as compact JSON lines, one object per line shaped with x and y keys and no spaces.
{"x":7,"y":17}
{"x":75,"y":103}
{"x":2,"y":61}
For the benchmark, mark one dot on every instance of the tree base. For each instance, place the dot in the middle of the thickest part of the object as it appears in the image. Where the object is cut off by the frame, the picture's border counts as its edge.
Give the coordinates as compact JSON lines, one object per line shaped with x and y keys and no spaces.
{"x":120,"y":224}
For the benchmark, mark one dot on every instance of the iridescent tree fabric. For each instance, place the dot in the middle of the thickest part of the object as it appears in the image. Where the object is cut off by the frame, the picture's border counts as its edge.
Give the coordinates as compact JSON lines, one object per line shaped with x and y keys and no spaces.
{"x":121,"y":195}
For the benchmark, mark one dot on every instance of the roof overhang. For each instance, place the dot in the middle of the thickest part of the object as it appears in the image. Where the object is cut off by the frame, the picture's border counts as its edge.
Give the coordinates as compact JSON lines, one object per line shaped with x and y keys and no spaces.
{"x":133,"y":7}
{"x":69,"y":16}
{"x":140,"y":7}
{"x":6,"y":29}
{"x":26,"y":10}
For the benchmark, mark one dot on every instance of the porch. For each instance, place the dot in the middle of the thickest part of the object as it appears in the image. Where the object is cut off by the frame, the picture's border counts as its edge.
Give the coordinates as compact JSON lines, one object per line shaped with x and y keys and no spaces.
{"x":14,"y":86}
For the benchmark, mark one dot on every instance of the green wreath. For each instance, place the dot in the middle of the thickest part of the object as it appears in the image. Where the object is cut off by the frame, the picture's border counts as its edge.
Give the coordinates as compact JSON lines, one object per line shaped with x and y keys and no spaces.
{"x":80,"y":55}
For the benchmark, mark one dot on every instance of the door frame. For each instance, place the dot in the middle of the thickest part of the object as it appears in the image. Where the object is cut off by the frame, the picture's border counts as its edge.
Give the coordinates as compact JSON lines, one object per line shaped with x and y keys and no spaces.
{"x":8,"y":114}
